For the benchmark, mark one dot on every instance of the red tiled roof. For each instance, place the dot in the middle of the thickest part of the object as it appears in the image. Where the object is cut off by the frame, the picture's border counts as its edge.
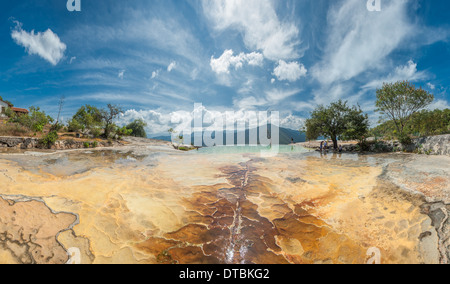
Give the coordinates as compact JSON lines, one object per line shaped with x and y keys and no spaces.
{"x":16,"y":109}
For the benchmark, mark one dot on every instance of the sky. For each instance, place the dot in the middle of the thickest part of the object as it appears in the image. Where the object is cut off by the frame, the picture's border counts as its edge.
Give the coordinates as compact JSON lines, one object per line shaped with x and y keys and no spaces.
{"x":157,"y":59}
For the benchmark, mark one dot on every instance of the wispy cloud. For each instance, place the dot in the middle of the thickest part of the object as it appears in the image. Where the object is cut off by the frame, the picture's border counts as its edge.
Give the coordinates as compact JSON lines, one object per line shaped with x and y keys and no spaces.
{"x":259,"y":24}
{"x":358,"y":40}
{"x":406,"y":72}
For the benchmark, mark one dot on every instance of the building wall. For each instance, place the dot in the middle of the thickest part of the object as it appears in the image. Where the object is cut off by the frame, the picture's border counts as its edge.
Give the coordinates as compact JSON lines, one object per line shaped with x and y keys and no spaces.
{"x":3,"y":106}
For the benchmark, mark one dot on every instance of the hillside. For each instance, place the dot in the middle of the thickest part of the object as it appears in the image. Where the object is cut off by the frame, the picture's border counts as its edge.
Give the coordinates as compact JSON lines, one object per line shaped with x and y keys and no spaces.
{"x":285,"y":136}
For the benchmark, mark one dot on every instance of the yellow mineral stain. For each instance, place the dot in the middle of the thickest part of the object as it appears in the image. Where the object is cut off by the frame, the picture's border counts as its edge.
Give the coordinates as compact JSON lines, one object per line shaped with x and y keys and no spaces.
{"x":236,"y":208}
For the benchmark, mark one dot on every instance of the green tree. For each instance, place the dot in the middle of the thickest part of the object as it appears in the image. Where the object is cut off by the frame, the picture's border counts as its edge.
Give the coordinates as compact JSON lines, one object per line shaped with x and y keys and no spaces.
{"x":87,"y":117}
{"x":138,"y":127}
{"x":337,"y":121}
{"x":35,"y":120}
{"x":124,"y":131}
{"x":357,"y":125}
{"x":399,"y":101}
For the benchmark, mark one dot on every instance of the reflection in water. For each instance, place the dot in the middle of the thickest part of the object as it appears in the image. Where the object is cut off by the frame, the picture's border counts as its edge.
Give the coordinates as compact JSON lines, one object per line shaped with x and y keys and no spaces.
{"x":200,"y":207}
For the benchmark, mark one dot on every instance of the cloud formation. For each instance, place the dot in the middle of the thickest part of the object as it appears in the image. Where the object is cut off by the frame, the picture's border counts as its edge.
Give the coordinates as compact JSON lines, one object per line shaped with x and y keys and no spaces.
{"x":259,"y":24}
{"x":359,"y":40}
{"x":121,"y":73}
{"x":407,"y":72}
{"x":47,"y":45}
{"x":289,"y":71}
{"x":171,"y":66}
{"x":222,"y":64}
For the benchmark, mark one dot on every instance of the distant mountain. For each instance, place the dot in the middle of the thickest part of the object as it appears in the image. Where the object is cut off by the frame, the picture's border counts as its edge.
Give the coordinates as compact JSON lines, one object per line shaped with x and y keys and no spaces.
{"x":285,"y":136}
{"x":163,"y":138}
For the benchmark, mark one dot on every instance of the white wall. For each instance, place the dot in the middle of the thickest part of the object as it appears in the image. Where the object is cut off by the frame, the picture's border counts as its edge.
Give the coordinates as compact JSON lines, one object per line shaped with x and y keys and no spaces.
{"x":3,"y":106}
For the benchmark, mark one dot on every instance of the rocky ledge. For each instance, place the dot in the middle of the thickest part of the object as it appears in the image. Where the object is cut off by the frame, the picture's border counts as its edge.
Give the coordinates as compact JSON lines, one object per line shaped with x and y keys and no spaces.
{"x":432,"y":145}
{"x":34,"y":143}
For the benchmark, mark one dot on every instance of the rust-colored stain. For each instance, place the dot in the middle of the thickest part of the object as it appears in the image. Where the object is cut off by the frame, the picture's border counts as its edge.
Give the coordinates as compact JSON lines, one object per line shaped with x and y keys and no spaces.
{"x":226,"y":227}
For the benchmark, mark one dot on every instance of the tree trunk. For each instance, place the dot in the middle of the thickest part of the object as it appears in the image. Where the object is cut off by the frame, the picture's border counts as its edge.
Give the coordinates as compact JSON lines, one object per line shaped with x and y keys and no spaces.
{"x":335,"y":142}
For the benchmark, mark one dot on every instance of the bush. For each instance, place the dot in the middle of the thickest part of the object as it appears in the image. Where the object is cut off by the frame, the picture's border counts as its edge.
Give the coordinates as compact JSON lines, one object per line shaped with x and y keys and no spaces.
{"x":57,"y":127}
{"x":9,"y":113}
{"x":138,"y":128}
{"x":35,"y":120}
{"x":405,"y":140}
{"x":124,"y":131}
{"x":13,"y":129}
{"x":96,"y":132}
{"x":95,"y":144}
{"x":86,"y":144}
{"x":49,"y":139}
{"x":75,"y":126}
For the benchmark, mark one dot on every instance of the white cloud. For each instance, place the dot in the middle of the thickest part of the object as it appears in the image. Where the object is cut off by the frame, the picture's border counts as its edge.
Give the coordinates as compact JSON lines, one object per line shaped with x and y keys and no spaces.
{"x":227,"y":60}
{"x":439,"y":104}
{"x":121,"y":74}
{"x":155,"y":73}
{"x":259,"y":24}
{"x":292,"y":122}
{"x":359,"y":40}
{"x":47,"y":45}
{"x":171,"y":66}
{"x":407,"y":72}
{"x":275,"y":96}
{"x":431,"y":86}
{"x":289,"y":71}
{"x":159,"y":120}
{"x":249,"y":102}
{"x":72,"y":59}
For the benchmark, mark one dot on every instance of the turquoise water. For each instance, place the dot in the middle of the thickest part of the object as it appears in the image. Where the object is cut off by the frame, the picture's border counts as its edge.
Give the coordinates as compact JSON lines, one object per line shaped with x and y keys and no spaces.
{"x":252,"y":149}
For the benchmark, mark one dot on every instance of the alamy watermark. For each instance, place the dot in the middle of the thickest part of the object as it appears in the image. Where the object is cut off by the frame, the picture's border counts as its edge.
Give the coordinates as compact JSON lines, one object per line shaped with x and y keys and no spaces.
{"x":74,"y":5}
{"x":374,"y":5}
{"x":249,"y":128}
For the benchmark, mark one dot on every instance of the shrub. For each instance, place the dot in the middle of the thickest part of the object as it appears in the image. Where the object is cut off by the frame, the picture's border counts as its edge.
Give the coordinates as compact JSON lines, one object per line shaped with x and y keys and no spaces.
{"x":9,"y":113}
{"x":74,"y":126}
{"x":405,"y":140}
{"x":57,"y":127}
{"x":35,"y":120}
{"x":49,"y":139}
{"x":86,"y":144}
{"x":124,"y":131}
{"x":96,"y":132}
{"x":95,"y":144}
{"x":138,"y":128}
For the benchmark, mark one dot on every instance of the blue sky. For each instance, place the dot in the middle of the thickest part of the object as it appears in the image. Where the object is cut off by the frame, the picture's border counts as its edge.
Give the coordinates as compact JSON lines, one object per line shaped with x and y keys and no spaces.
{"x":157,"y":58}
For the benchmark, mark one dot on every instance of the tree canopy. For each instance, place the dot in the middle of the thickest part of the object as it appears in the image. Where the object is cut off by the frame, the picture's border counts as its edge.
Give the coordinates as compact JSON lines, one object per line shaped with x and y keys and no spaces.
{"x":399,"y":101}
{"x":138,"y":127}
{"x":337,"y":121}
{"x":87,"y":117}
{"x":108,"y":116}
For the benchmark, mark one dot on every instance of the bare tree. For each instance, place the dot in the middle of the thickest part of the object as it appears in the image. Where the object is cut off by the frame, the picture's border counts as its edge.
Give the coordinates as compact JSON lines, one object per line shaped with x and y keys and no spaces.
{"x":61,"y":105}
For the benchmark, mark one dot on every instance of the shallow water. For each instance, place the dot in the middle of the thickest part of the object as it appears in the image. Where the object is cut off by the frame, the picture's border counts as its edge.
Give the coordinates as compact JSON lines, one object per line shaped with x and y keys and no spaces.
{"x":223,"y":205}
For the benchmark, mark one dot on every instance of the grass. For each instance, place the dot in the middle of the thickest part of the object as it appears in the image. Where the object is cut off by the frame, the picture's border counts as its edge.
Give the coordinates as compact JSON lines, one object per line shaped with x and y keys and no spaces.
{"x":14,"y":129}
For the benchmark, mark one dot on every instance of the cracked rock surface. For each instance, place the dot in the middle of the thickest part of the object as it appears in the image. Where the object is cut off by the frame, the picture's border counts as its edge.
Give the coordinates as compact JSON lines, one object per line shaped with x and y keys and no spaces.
{"x":155,"y":205}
